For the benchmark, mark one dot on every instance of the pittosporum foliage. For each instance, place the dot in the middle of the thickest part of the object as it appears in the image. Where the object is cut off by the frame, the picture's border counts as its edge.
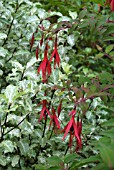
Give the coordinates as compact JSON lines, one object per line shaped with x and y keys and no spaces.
{"x":57,"y":85}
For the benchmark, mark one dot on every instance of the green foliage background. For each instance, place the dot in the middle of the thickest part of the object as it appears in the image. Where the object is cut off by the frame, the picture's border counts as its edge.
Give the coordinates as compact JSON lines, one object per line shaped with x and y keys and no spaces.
{"x":87,"y":60}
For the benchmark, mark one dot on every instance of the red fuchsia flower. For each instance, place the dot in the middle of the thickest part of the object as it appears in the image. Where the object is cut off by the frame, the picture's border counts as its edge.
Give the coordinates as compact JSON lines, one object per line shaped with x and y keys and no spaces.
{"x":32,"y":41}
{"x":75,"y":131}
{"x":55,"y":55}
{"x":37,"y":51}
{"x":44,"y":111}
{"x":112,"y":5}
{"x":111,"y":2}
{"x":79,"y":127}
{"x":42,"y":39}
{"x":54,"y":119}
{"x":59,"y":108}
{"x":45,"y":66}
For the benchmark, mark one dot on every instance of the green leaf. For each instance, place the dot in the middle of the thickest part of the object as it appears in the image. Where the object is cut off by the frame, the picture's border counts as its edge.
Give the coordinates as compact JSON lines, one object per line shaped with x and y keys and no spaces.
{"x":22,"y":52}
{"x":54,"y":160}
{"x":83,"y":13}
{"x":73,"y":14}
{"x":100,"y":166}
{"x":54,"y":168}
{"x":91,"y":159}
{"x":3,"y":36}
{"x":24,"y":146}
{"x":108,"y":123}
{"x":66,"y":67}
{"x":108,"y":38}
{"x":109,"y":133}
{"x":8,"y":146}
{"x":109,"y":48}
{"x":71,"y":40}
{"x":70,"y":157}
{"x":99,"y":55}
{"x":2,"y":160}
{"x":3,"y":20}
{"x":10,"y":92}
{"x":32,"y":18}
{"x":107,"y":155}
{"x":3,"y":52}
{"x":15,"y":160}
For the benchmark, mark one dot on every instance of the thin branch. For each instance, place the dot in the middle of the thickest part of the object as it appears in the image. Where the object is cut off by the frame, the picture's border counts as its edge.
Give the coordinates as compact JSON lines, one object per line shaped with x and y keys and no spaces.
{"x":17,"y":124}
{"x":17,"y":6}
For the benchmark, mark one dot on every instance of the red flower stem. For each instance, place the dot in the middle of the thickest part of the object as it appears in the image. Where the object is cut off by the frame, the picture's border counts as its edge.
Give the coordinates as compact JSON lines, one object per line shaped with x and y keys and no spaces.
{"x":53,"y":91}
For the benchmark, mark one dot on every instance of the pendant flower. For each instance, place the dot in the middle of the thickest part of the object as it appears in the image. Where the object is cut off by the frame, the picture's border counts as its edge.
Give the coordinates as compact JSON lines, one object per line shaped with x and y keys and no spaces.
{"x":45,"y":66}
{"x":75,"y":129}
{"x":54,"y":119}
{"x":37,"y":51}
{"x":32,"y":41}
{"x":79,"y":127}
{"x":55,"y":55}
{"x":111,"y":2}
{"x":44,"y":111}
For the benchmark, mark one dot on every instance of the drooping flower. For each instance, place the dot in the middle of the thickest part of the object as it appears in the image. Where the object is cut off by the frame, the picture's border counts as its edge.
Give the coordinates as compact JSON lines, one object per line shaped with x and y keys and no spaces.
{"x":79,"y":127}
{"x":54,"y":119}
{"x":55,"y":55}
{"x":75,"y":129}
{"x":112,"y":5}
{"x":111,"y":2}
{"x":32,"y":41}
{"x":44,"y":111}
{"x":45,"y":66}
{"x":42,"y":39}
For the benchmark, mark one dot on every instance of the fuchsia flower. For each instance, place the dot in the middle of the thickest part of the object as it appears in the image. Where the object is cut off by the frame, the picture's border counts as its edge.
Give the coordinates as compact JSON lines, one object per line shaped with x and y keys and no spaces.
{"x":44,"y":111}
{"x":112,"y":5}
{"x":45,"y":66}
{"x":42,"y":39}
{"x":55,"y":55}
{"x":79,"y":127}
{"x":111,"y":2}
{"x":54,"y":119}
{"x":75,"y":129}
{"x":32,"y":41}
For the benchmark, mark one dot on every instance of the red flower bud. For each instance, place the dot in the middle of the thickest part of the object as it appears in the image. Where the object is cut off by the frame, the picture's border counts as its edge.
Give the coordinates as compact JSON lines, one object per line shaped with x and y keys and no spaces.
{"x":32,"y":41}
{"x":59,"y":108}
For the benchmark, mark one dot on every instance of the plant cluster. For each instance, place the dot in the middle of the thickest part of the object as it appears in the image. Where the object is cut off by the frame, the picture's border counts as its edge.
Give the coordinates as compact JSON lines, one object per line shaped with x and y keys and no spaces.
{"x":57,"y":85}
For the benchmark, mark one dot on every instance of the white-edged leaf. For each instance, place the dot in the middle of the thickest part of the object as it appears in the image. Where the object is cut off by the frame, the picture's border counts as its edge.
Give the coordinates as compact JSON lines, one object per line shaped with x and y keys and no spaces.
{"x":17,"y":65}
{"x":8,"y":146}
{"x":10,"y":92}
{"x":71,"y":40}
{"x":32,"y":18}
{"x":42,"y":13}
{"x":3,"y":52}
{"x":15,"y":160}
{"x":30,"y":63}
{"x":2,"y":161}
{"x":73,"y":14}
{"x":3,"y":36}
{"x":24,"y":147}
{"x":22,"y":52}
